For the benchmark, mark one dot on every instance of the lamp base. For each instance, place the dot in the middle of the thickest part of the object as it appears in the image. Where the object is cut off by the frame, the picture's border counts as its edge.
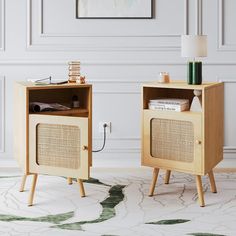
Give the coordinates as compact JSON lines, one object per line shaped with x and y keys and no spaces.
{"x":195,"y":72}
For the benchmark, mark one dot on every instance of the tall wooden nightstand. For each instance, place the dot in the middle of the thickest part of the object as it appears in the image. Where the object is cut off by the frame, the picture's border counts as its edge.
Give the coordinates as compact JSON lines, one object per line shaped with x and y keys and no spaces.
{"x":53,"y":142}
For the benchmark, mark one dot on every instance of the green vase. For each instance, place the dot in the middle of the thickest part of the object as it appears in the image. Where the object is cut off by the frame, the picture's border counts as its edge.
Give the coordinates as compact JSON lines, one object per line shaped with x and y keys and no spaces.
{"x":190,"y":73}
{"x":197,"y":73}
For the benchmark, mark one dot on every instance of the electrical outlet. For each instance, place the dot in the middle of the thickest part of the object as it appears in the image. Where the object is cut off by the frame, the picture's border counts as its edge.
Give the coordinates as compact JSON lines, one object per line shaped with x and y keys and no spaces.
{"x":101,"y":126}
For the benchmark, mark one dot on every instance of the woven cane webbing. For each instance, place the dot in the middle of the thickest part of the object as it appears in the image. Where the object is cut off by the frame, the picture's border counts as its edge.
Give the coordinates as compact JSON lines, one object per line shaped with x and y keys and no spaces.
{"x":58,"y":145}
{"x":172,"y":140}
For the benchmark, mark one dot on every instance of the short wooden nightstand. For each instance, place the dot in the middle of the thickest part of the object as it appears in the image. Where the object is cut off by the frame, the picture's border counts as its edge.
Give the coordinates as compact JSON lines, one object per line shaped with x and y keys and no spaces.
{"x":190,"y":142}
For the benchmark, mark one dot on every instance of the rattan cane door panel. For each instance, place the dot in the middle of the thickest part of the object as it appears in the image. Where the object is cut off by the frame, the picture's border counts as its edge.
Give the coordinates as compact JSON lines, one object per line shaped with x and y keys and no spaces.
{"x":57,"y":144}
{"x":172,"y":140}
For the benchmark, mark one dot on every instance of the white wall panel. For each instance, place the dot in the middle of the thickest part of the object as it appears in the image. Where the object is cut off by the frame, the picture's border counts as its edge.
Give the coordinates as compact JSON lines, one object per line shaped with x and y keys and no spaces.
{"x":55,"y":28}
{"x":230,"y":117}
{"x":227,"y":30}
{"x":2,"y":25}
{"x":2,"y":113}
{"x":117,"y":56}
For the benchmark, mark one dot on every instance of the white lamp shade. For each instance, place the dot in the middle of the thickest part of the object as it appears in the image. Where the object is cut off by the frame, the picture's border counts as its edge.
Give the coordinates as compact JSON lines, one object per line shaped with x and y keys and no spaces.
{"x":194,"y":46}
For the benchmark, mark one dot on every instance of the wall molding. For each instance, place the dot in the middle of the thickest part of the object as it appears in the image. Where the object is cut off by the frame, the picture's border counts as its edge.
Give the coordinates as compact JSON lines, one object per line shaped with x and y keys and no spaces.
{"x":29,"y":24}
{"x":226,"y":80}
{"x":230,"y":149}
{"x":186,"y":17}
{"x":23,"y":62}
{"x":2,"y":107}
{"x":61,"y":47}
{"x":198,"y":20}
{"x":43,"y":34}
{"x":115,"y":92}
{"x":3,"y":28}
{"x":222,"y":46}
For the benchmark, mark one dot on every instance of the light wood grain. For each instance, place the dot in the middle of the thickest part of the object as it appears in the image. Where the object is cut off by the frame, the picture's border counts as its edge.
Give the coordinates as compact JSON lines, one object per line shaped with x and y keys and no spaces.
{"x":69,"y":180}
{"x":25,"y":126}
{"x":81,"y":187}
{"x":154,"y":180}
{"x":187,"y":167}
{"x":90,"y":123}
{"x":181,"y":85}
{"x":212,"y":182}
{"x":22,"y":186}
{"x":213,"y":126}
{"x":167,"y":176}
{"x":200,"y":191}
{"x":32,"y":190}
{"x":20,"y":126}
{"x":82,"y":124}
{"x":72,"y":112}
{"x":207,"y":129}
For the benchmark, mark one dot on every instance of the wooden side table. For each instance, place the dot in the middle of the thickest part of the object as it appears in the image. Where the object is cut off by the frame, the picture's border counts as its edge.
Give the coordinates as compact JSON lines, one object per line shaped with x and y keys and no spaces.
{"x":190,"y":142}
{"x":53,"y":142}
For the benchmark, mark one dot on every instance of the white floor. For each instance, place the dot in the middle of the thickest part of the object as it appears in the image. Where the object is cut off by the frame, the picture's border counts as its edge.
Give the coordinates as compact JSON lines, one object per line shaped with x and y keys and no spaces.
{"x":176,"y":201}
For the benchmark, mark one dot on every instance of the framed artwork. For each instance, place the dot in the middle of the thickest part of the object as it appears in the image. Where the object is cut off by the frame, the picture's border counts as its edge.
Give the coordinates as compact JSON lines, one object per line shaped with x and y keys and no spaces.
{"x":114,"y":9}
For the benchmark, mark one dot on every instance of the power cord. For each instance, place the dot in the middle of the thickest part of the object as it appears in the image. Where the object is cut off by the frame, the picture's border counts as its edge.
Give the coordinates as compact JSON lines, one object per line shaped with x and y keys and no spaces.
{"x":104,"y":139}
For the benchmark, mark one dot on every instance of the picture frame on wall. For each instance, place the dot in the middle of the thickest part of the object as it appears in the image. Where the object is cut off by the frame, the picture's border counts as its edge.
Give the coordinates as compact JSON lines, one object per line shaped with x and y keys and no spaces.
{"x":114,"y":9}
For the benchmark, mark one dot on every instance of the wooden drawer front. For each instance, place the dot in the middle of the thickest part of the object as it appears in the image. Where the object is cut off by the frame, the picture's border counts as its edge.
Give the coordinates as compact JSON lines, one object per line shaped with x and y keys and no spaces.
{"x":56,"y":145}
{"x":172,"y":140}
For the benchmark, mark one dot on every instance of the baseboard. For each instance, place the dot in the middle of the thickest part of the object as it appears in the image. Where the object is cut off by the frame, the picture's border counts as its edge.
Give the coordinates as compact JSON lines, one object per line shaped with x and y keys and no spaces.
{"x":9,"y":164}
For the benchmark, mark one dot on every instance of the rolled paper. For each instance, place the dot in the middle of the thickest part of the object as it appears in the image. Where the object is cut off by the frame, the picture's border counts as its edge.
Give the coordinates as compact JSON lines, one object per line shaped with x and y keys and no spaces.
{"x":190,"y":73}
{"x":197,"y":73}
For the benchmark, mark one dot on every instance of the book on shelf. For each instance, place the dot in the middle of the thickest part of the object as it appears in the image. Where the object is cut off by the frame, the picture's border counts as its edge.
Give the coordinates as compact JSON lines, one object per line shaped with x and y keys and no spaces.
{"x":173,"y":101}
{"x":169,"y":104}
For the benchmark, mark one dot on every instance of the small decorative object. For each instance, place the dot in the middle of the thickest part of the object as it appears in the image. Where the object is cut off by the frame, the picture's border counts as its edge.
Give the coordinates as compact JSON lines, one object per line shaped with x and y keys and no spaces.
{"x":74,"y":71}
{"x":194,"y":46}
{"x":75,"y":101}
{"x":164,"y":77}
{"x":196,"y":104}
{"x":114,"y":9}
{"x":82,"y":79}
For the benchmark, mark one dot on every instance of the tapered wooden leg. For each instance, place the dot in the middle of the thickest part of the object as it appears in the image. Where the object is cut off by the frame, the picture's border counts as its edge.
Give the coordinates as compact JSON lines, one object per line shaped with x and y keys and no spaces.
{"x":200,"y":190}
{"x":154,"y":180}
{"x":167,"y":177}
{"x":32,"y":190}
{"x":81,"y":187}
{"x":212,"y":181}
{"x":22,"y":186}
{"x":69,"y":180}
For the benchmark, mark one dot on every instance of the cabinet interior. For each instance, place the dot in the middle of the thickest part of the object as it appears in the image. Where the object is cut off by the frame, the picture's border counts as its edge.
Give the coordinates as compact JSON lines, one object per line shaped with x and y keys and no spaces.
{"x":154,"y":93}
{"x":64,"y":97}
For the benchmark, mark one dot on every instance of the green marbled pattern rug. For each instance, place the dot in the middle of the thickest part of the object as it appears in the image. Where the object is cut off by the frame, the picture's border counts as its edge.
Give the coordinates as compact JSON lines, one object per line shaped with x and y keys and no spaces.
{"x":116,"y":204}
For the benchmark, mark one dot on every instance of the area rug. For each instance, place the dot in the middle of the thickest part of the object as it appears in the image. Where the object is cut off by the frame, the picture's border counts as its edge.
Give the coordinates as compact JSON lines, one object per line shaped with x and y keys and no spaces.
{"x":117,"y":203}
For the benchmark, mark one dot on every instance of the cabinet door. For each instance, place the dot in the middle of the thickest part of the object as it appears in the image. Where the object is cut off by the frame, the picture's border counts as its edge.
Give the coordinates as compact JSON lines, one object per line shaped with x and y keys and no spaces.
{"x":58,"y":145}
{"x":172,"y":140}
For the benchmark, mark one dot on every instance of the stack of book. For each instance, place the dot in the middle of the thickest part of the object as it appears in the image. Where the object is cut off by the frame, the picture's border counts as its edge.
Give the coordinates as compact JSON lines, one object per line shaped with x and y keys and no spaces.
{"x":169,"y":104}
{"x":74,"y":71}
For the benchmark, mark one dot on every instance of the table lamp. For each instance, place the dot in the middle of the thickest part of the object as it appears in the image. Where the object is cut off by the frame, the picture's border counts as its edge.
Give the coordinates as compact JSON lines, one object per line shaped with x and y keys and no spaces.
{"x":193,"y":46}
